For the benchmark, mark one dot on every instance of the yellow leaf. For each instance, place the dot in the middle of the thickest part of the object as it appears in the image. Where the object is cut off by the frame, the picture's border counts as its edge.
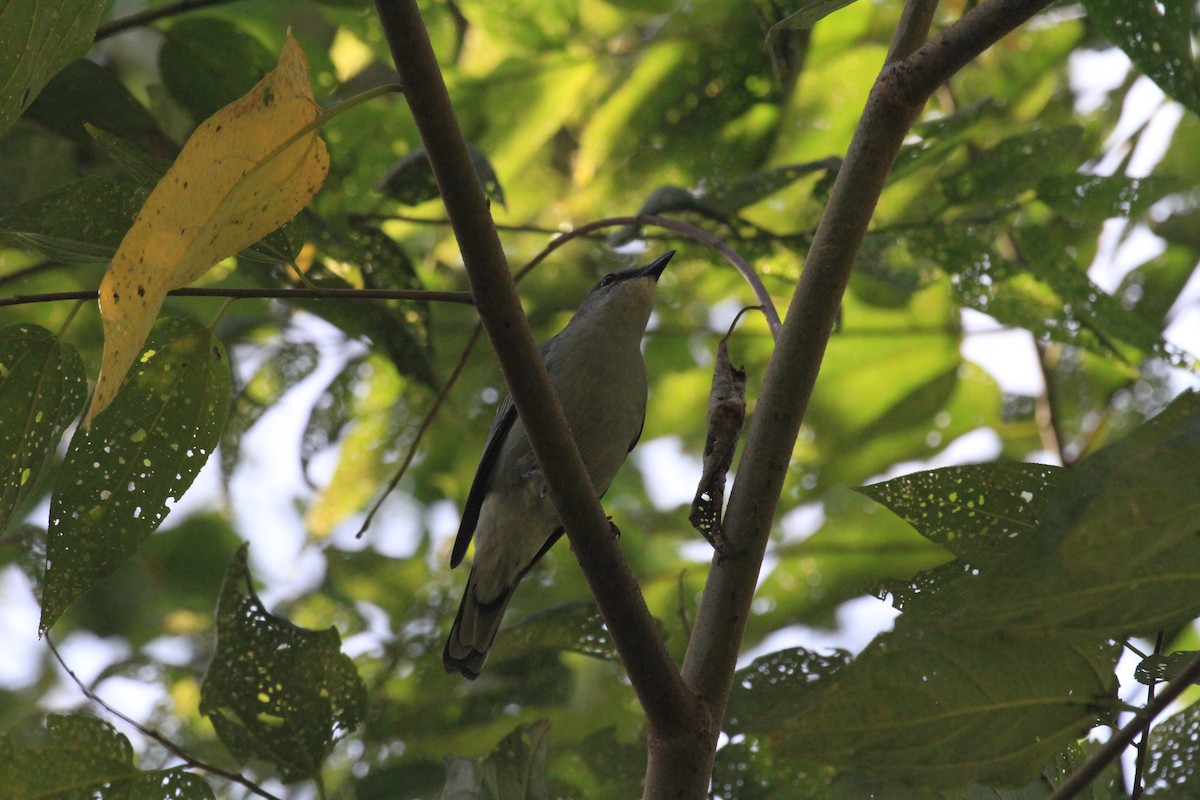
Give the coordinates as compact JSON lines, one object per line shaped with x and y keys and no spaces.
{"x":244,"y":172}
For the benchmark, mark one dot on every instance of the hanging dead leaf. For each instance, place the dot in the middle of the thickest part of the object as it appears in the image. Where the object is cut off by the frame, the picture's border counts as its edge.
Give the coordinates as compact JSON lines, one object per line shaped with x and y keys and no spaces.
{"x":244,"y":172}
{"x":726,"y":413}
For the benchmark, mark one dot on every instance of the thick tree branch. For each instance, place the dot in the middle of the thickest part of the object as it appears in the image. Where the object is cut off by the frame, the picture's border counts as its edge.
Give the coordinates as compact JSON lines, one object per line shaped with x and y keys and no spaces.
{"x":655,"y":679}
{"x":899,"y":95}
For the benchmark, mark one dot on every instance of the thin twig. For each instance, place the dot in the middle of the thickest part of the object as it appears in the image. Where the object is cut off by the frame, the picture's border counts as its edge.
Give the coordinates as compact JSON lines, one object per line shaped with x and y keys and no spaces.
{"x":1143,"y":744}
{"x":150,"y":733}
{"x":1112,"y":749}
{"x":152,"y":15}
{"x":426,"y":421}
{"x":277,"y":294}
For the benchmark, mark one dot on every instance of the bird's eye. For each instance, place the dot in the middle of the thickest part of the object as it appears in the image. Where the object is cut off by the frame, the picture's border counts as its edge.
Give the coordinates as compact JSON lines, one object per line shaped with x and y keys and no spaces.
{"x":607,"y":280}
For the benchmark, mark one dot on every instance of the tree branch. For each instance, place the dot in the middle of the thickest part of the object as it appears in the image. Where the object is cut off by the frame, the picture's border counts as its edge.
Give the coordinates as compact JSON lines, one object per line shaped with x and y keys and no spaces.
{"x":895,"y":101}
{"x":655,"y":679}
{"x":277,"y":294}
{"x":152,"y":15}
{"x":1112,"y":749}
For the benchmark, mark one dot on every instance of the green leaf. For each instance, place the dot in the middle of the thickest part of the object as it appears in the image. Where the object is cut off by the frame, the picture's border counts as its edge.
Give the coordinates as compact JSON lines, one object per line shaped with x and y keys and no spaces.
{"x":81,"y":222}
{"x":207,"y":63}
{"x":1162,"y":667}
{"x":144,"y":451}
{"x":776,"y":687}
{"x":515,"y":770}
{"x":79,"y":756}
{"x":410,"y":181}
{"x":37,"y":39}
{"x":808,"y":14}
{"x":1016,"y":164}
{"x":1096,"y":198}
{"x":274,"y":690}
{"x":965,"y":508}
{"x":86,"y":92}
{"x":939,"y":710}
{"x":400,"y":329}
{"x":1114,"y":553}
{"x":332,"y":411}
{"x":283,"y":367}
{"x":573,"y":627}
{"x":1157,"y":37}
{"x":42,"y":390}
{"x":145,"y":168}
{"x":1174,"y":767}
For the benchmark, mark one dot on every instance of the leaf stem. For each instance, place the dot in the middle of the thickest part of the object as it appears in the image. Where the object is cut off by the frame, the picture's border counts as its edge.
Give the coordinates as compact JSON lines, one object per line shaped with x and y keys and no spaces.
{"x":70,"y":318}
{"x":225,"y":308}
{"x":352,"y":102}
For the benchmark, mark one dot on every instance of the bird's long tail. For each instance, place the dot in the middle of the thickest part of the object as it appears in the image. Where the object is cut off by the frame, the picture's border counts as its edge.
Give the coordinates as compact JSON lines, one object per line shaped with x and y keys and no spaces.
{"x":474,"y":630}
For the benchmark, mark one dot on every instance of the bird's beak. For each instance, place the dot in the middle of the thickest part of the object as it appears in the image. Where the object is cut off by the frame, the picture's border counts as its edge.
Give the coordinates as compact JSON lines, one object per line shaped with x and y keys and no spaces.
{"x":655,"y":268}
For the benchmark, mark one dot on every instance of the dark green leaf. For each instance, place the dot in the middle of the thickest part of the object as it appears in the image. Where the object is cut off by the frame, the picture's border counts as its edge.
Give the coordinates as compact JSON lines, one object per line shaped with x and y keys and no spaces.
{"x":208,"y":63}
{"x":42,"y":390}
{"x":401,"y":328}
{"x":809,"y":13}
{"x":80,"y":756}
{"x":575,"y":627}
{"x":965,"y":508}
{"x":1098,"y":197}
{"x":274,"y":690}
{"x":85,"y":92}
{"x":1115,"y":550}
{"x":937,"y":710}
{"x":775,"y":688}
{"x":37,"y":39}
{"x":1157,"y":37}
{"x":332,"y":411}
{"x":142,"y":452}
{"x":1162,"y":667}
{"x":515,"y":770}
{"x":1174,"y":747}
{"x":145,"y":168}
{"x":82,"y":222}
{"x":282,"y":368}
{"x":1016,"y":164}
{"x":410,"y":181}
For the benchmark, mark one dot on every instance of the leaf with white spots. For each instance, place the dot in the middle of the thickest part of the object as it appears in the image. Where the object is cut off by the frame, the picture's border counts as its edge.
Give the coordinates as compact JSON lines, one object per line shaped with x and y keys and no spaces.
{"x":81,"y":756}
{"x":964,"y":508}
{"x":244,"y":172}
{"x":37,"y":39}
{"x":42,"y":390}
{"x":144,"y":451}
{"x":275,"y":690}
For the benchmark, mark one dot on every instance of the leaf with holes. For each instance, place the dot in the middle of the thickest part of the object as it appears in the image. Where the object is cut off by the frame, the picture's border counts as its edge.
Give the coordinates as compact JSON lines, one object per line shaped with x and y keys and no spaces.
{"x":42,"y":390}
{"x":144,"y":451}
{"x":80,"y":756}
{"x":274,"y":690}
{"x":1157,"y":37}
{"x":964,"y":508}
{"x":244,"y":172}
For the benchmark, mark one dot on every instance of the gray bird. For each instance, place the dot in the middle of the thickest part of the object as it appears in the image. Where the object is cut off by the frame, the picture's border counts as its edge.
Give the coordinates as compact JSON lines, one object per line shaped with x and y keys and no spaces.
{"x":596,"y":369}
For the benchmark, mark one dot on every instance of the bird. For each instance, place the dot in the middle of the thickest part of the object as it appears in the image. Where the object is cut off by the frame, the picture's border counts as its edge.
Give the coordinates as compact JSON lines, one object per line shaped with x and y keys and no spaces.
{"x":598,"y":373}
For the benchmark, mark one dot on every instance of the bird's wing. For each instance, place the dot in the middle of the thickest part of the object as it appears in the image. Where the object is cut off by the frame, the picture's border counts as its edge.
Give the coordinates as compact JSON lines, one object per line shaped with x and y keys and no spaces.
{"x":506,"y":415}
